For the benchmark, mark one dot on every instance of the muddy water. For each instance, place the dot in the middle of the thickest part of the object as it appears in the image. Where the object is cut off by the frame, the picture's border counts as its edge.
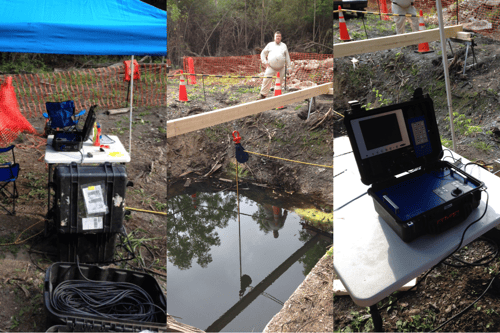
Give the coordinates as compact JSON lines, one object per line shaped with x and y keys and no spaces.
{"x":204,"y":269}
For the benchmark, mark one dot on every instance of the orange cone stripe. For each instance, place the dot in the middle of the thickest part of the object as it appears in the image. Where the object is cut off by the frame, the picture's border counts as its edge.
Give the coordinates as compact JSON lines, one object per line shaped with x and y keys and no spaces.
{"x":422,"y":47}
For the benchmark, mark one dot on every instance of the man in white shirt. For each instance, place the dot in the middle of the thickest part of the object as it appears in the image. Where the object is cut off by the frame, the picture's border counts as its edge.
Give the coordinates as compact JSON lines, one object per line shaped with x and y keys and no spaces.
{"x":403,"y":7}
{"x":274,"y":56}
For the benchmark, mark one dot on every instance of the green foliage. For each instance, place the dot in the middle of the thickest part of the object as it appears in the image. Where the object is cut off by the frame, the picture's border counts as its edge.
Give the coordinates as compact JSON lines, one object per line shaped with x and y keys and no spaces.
{"x":17,"y":63}
{"x":417,"y":323}
{"x":279,"y":124}
{"x":463,"y":124}
{"x":231,"y":170}
{"x":379,"y":101}
{"x":358,"y":324}
{"x":445,"y":142}
{"x":481,"y":145}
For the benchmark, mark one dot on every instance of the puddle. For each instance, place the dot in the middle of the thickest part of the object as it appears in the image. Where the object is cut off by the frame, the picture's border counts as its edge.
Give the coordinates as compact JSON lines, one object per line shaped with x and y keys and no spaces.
{"x":204,"y":270}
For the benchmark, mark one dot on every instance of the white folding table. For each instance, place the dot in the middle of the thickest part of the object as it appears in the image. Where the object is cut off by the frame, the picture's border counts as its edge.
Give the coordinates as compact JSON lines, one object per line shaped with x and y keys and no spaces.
{"x":370,"y":259}
{"x":116,"y":153}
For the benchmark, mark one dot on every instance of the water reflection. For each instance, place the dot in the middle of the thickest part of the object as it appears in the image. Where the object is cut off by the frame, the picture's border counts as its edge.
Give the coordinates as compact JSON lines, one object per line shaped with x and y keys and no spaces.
{"x":270,"y":218}
{"x":191,"y":229}
{"x":204,"y":228}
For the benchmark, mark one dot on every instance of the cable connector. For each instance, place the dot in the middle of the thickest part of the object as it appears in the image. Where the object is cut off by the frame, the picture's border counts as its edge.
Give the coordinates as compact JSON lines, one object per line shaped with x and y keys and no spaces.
{"x":458,"y":163}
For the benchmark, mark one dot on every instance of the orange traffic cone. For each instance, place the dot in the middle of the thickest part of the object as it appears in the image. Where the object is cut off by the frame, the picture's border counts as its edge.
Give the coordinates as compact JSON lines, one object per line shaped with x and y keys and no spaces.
{"x":183,"y":97}
{"x":344,"y":35}
{"x":277,"y":89}
{"x":383,"y":9}
{"x":422,"y":47}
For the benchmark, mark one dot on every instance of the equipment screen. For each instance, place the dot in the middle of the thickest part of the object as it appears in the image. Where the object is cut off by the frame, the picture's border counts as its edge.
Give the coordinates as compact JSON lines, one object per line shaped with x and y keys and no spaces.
{"x":380,"y":131}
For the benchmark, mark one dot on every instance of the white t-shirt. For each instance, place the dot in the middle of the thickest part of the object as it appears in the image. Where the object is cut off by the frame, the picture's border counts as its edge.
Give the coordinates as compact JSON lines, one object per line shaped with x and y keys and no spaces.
{"x":275,"y":55}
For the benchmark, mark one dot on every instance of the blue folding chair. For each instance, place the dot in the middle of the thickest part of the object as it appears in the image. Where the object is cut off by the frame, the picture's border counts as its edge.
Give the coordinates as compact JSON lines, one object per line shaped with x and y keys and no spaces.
{"x":8,"y":175}
{"x":61,"y":115}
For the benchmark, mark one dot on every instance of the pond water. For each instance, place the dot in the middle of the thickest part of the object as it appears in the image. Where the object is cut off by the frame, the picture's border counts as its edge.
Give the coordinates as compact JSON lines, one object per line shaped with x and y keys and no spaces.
{"x":204,"y":270}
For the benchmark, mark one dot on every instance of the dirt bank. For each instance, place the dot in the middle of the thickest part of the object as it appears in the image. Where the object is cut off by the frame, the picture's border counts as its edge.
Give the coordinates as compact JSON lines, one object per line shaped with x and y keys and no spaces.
{"x":282,"y":133}
{"x":310,"y":308}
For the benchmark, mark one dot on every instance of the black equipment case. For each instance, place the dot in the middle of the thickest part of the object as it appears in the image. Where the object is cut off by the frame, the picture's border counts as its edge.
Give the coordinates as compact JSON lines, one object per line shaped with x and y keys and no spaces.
{"x":89,"y":198}
{"x":73,"y":140}
{"x":434,"y":195}
{"x":61,"y":271}
{"x":89,"y":210}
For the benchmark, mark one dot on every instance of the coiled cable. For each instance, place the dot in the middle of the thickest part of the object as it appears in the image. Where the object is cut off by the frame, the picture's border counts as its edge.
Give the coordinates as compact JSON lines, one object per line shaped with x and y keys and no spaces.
{"x":107,"y":299}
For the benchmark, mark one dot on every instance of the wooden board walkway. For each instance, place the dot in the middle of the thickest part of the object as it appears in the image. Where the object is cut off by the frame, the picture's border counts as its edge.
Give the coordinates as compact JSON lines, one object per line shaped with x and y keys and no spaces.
{"x":175,"y":326}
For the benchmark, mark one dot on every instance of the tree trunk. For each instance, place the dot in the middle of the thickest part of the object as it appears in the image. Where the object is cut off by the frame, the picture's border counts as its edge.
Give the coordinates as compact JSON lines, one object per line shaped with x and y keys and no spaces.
{"x":262,"y":26}
{"x":314,"y":21}
{"x":246,"y":38}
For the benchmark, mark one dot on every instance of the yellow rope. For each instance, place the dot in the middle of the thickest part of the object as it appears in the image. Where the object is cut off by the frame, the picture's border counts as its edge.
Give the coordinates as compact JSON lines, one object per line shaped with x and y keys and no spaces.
{"x":339,"y":114}
{"x":146,"y":211}
{"x":285,"y":159}
{"x":224,"y":76}
{"x":18,"y":241}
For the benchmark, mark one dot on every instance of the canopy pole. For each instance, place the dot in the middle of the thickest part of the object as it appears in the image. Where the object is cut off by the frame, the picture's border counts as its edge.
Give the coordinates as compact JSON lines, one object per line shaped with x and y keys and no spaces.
{"x":446,"y":74}
{"x":131,"y":105}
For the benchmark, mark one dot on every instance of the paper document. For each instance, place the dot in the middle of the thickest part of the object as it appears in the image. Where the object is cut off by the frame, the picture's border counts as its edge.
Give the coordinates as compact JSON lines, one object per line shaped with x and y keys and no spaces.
{"x":94,"y":201}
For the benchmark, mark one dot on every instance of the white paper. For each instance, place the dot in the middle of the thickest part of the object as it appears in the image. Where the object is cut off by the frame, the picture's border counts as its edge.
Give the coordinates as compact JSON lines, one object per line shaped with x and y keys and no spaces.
{"x":94,"y":201}
{"x":91,"y":223}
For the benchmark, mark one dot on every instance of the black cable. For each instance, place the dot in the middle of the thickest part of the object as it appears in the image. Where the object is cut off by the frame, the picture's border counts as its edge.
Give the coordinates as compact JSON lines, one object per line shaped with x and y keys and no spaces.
{"x":474,"y":163}
{"x":108,"y":299}
{"x":340,"y":173}
{"x":477,"y":262}
{"x":343,"y":154}
{"x":467,"y":308}
{"x":350,"y":202}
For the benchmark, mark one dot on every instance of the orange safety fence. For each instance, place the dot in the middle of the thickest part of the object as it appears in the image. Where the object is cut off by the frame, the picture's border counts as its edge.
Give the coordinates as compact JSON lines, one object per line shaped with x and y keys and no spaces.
{"x":102,"y":86}
{"x":12,"y":123}
{"x":306,"y":67}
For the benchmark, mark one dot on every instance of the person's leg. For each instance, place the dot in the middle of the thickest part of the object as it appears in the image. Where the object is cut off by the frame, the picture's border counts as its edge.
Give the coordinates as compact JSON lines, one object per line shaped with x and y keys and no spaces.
{"x":399,"y":20}
{"x":400,"y":24}
{"x":282,"y":77}
{"x":266,"y":83}
{"x":414,"y":20}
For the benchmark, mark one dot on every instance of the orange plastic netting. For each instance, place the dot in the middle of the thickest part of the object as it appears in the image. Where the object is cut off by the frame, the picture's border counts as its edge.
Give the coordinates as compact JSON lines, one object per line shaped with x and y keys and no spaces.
{"x":12,"y":122}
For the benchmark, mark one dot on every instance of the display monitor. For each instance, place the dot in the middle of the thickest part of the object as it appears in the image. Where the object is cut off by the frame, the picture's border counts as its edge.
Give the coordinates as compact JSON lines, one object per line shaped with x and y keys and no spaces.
{"x":381,"y":133}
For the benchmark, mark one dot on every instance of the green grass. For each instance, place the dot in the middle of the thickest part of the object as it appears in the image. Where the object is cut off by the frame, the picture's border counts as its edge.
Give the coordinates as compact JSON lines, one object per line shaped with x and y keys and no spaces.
{"x":481,"y":145}
{"x":447,"y":143}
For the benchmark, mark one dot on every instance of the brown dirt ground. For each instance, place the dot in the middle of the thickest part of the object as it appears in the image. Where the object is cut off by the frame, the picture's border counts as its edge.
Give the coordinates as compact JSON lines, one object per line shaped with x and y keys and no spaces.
{"x":23,"y":266}
{"x":278,"y":133}
{"x":310,"y":308}
{"x":393,"y":75}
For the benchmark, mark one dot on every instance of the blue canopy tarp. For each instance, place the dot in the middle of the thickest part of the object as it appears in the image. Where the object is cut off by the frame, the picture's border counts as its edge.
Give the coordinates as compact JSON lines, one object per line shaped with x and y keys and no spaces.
{"x":90,"y":27}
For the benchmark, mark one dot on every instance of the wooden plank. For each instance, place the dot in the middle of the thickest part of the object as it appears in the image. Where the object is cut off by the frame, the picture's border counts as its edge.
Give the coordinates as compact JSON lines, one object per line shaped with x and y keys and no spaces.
{"x":175,"y":326}
{"x":390,"y":42}
{"x":116,"y":111}
{"x":339,"y":290}
{"x":196,"y":122}
{"x":330,"y":92}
